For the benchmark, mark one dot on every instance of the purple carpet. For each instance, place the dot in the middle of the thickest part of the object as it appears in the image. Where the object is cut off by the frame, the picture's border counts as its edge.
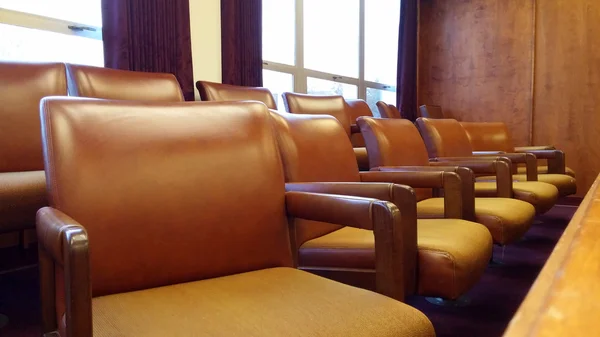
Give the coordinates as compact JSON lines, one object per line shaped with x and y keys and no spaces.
{"x":492,"y":304}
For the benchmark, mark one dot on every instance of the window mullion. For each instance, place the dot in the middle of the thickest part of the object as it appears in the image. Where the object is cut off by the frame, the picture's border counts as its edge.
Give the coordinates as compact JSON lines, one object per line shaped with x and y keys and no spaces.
{"x":300,"y":77}
{"x":33,"y":21}
{"x":362,"y":89}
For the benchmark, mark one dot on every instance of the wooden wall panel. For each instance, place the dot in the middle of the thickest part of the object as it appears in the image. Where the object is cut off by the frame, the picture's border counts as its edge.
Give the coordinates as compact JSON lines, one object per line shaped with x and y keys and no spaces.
{"x":475,"y":60}
{"x":567,"y":83}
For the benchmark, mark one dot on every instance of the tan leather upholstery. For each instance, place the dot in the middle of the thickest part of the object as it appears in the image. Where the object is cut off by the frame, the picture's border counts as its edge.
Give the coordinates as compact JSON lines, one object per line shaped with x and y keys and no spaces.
{"x":448,"y":249}
{"x":272,"y":302}
{"x":388,"y":110}
{"x":447,"y":138}
{"x":22,"y":181}
{"x":131,"y":171}
{"x":431,"y":111}
{"x":316,"y":149}
{"x":357,"y":108}
{"x":337,"y":107}
{"x":106,"y":83}
{"x":304,"y":104}
{"x":543,"y":169}
{"x":506,"y":219}
{"x":542,"y":196}
{"x":396,"y":142}
{"x":211,"y":91}
{"x":496,"y":137}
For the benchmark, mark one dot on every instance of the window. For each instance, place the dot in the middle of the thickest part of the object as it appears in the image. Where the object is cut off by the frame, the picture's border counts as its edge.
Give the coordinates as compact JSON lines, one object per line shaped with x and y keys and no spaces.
{"x":332,"y":47}
{"x":51,"y":31}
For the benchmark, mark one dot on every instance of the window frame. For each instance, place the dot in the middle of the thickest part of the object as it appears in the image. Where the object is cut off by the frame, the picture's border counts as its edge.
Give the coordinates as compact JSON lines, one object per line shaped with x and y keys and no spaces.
{"x":44,"y":23}
{"x":300,"y":73}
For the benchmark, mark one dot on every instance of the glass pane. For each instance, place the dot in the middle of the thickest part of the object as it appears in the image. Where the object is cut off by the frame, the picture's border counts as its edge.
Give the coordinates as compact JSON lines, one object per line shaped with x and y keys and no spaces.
{"x":376,"y":95}
{"x":382,"y":19}
{"x":278,"y":83}
{"x":32,"y":45}
{"x":87,"y":12}
{"x":317,"y":86}
{"x":279,"y":31}
{"x":331,"y":35}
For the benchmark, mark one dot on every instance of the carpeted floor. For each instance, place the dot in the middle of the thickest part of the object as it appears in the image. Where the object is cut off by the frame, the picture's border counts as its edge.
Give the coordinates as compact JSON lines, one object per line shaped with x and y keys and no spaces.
{"x":492,"y":304}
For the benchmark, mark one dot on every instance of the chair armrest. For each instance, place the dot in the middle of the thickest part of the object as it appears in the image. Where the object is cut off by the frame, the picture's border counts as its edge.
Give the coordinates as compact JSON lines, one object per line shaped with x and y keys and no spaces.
{"x":533,"y":148}
{"x":500,"y":167}
{"x":556,"y":159}
{"x":487,"y":153}
{"x":354,"y":129}
{"x":528,"y":159}
{"x":466,"y":176}
{"x":382,"y":217}
{"x":63,"y":245}
{"x":450,"y":182}
{"x":402,"y":196}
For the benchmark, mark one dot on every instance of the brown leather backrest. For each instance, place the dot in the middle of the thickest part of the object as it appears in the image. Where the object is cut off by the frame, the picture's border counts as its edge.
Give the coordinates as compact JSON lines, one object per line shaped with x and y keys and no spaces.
{"x":444,"y":138}
{"x":335,"y":106}
{"x":388,"y":110}
{"x":22,"y":86}
{"x":394,"y":142}
{"x":106,"y":83}
{"x":357,"y":108}
{"x":431,"y":111}
{"x":314,"y":149}
{"x":168,"y":192}
{"x":488,"y":136}
{"x":210,"y":91}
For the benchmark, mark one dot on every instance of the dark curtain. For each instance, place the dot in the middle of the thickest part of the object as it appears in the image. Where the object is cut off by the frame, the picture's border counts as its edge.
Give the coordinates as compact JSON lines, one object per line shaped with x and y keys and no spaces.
{"x":241,"y":42}
{"x":149,"y":35}
{"x":406,"y":93}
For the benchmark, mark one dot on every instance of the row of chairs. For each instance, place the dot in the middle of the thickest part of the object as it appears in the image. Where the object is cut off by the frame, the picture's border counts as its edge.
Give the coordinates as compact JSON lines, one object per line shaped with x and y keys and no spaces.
{"x":171,"y":192}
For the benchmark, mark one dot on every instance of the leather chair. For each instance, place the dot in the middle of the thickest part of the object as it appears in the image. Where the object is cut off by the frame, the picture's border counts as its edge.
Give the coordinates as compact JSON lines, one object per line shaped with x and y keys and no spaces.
{"x":210,"y":91}
{"x":446,"y":140}
{"x":448,"y":255}
{"x":22,"y":180}
{"x":358,"y":108}
{"x":396,"y":143}
{"x":335,"y":106}
{"x":431,"y":111}
{"x":106,"y":83}
{"x":388,"y":110}
{"x":496,"y":137}
{"x":133,"y":247}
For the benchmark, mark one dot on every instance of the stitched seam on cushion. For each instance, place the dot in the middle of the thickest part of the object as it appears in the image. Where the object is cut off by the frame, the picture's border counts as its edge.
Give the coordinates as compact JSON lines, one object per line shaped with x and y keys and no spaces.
{"x":452,"y":259}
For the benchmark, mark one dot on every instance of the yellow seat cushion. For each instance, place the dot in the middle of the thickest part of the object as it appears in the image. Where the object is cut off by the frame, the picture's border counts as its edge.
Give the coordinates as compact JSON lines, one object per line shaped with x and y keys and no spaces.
{"x":566,"y":184}
{"x":542,"y":196}
{"x":452,"y":254}
{"x":506,"y":219}
{"x":544,"y":169}
{"x":362,"y":158}
{"x":271,"y":302}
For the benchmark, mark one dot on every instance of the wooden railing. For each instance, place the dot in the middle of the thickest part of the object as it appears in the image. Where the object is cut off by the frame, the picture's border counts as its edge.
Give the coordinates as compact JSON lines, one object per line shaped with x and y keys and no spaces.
{"x":565,"y":298}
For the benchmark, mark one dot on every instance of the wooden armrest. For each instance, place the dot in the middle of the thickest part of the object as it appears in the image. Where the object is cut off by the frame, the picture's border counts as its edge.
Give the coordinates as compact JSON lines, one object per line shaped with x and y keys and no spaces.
{"x":500,"y":167}
{"x":556,"y":160}
{"x":402,"y":196}
{"x":533,"y":148}
{"x":64,"y":242}
{"x":450,"y":182}
{"x":382,"y":217}
{"x":487,"y":153}
{"x":466,"y":176}
{"x":528,"y":159}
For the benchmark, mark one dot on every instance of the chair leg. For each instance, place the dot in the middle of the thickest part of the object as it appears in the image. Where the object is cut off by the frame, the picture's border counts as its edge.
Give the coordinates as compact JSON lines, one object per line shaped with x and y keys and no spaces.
{"x":462,"y":301}
{"x":3,"y":321}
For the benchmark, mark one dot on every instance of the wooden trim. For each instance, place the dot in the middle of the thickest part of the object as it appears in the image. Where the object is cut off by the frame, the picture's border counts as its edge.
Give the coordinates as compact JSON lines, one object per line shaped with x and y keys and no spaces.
{"x":563,"y":299}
